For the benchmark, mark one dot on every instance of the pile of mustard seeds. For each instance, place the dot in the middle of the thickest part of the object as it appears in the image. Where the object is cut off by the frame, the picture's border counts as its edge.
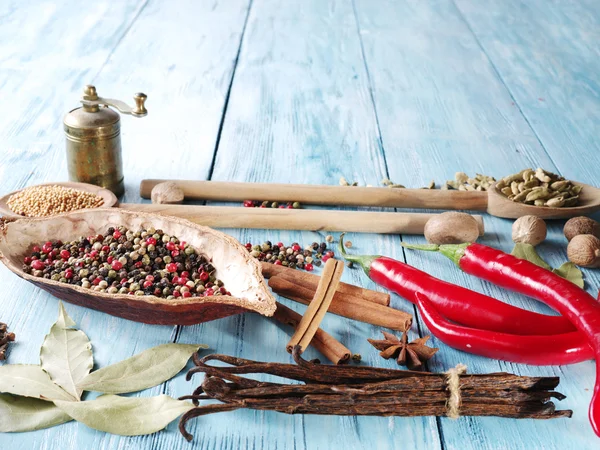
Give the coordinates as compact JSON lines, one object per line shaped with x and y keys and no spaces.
{"x":43,"y":201}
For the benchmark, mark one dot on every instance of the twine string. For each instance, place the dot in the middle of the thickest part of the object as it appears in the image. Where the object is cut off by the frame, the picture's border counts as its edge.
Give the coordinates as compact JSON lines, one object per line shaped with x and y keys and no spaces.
{"x":453,"y":382}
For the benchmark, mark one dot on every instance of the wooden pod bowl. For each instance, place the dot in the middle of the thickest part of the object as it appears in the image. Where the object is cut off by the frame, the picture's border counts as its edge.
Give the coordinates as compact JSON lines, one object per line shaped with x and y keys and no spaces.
{"x":109,"y":198}
{"x":235,"y":267}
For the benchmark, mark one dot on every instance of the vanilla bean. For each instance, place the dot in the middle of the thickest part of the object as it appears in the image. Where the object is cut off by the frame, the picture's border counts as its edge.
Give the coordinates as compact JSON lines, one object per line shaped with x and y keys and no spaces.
{"x":324,"y":374}
{"x":338,"y":390}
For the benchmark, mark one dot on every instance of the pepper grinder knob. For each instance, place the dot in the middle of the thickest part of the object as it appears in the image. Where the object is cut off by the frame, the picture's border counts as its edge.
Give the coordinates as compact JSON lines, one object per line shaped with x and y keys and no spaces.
{"x":90,"y":92}
{"x":140,"y":109}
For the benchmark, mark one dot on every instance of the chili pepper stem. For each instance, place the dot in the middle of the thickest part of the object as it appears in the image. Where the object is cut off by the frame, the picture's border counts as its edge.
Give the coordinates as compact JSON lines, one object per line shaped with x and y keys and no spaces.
{"x":365,"y":261}
{"x":452,"y":251}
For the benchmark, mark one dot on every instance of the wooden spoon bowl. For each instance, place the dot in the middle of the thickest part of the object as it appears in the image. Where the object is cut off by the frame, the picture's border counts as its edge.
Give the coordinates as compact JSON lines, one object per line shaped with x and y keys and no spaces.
{"x":109,"y":198}
{"x":500,"y":206}
{"x":235,"y":267}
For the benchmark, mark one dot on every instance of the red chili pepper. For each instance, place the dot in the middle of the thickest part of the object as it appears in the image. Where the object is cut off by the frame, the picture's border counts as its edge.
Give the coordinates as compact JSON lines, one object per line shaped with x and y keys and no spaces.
{"x":522,"y":276}
{"x":459,"y":304}
{"x":559,"y":349}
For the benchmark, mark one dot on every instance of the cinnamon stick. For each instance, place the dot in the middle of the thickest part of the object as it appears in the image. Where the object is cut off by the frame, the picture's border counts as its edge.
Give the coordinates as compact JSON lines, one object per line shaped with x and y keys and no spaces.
{"x":318,"y":306}
{"x":345,"y":305}
{"x":311,"y":280}
{"x":322,"y":341}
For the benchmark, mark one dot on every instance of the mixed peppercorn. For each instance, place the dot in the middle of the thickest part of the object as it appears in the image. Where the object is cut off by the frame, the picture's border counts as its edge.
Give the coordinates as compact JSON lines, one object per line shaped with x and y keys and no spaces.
{"x":292,"y":256}
{"x":145,"y":262}
{"x":269,"y":204}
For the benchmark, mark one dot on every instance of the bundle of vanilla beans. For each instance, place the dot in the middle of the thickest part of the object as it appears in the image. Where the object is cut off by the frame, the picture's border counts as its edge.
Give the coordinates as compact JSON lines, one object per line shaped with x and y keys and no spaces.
{"x":359,"y":390}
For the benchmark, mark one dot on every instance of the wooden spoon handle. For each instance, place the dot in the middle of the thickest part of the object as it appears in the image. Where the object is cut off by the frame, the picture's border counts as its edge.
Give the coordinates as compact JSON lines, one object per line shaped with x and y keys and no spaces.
{"x":326,"y":195}
{"x":295,"y":219}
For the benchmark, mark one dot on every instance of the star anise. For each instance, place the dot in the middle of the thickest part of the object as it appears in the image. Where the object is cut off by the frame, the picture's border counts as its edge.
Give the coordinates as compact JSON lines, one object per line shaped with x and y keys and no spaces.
{"x":411,"y":354}
{"x":5,"y":338}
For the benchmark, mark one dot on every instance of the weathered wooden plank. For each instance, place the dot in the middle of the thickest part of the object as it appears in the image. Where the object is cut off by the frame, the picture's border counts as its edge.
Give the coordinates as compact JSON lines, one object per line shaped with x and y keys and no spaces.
{"x":299,"y":111}
{"x":549,"y":63}
{"x":41,"y":90}
{"x":442,"y":108}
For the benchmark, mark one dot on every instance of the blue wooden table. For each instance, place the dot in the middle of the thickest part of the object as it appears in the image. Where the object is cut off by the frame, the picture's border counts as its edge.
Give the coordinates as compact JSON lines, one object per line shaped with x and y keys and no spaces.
{"x":307,"y":91}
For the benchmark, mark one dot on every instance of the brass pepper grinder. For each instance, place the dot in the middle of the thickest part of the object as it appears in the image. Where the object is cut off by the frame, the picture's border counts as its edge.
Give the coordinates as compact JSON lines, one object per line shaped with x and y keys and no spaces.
{"x":94,"y":139}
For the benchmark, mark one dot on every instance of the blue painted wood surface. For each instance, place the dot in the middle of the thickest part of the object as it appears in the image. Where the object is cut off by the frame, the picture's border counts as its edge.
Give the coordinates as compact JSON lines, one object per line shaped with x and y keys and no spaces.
{"x":307,"y":91}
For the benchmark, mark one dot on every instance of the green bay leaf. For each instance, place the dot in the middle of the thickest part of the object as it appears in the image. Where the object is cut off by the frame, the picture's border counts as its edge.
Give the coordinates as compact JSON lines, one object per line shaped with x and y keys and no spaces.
{"x":28,"y":414}
{"x":66,"y":354}
{"x":29,"y":380}
{"x":528,"y":252}
{"x":142,"y":371}
{"x":571,"y":272}
{"x":126,"y":416}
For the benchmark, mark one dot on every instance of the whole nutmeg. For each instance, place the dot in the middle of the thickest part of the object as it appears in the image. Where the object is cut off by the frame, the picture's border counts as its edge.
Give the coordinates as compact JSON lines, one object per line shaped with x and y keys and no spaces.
{"x":529,"y":230}
{"x":581,"y":225}
{"x":584,"y":250}
{"x":167,"y":193}
{"x":451,"y":228}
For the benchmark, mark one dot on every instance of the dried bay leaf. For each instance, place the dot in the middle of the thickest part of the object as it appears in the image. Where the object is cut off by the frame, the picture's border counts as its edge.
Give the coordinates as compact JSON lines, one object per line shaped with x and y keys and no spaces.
{"x":528,"y":252}
{"x":28,"y":414}
{"x":142,"y":371}
{"x":29,"y":380}
{"x":126,"y":416}
{"x":66,"y":354}
{"x":571,"y":272}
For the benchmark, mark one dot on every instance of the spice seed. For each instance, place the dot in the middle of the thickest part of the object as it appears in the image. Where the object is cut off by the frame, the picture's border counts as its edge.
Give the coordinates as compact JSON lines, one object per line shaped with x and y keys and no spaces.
{"x":43,"y":201}
{"x":158,"y":265}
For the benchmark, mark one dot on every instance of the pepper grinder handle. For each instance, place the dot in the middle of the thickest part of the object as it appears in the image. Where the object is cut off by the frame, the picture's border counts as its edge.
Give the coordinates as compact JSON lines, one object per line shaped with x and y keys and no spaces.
{"x":91,"y":100}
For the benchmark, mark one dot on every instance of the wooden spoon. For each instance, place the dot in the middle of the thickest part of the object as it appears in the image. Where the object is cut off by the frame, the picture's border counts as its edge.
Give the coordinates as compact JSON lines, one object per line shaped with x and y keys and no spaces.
{"x":492,"y":201}
{"x":266,"y":218}
{"x":109,"y":198}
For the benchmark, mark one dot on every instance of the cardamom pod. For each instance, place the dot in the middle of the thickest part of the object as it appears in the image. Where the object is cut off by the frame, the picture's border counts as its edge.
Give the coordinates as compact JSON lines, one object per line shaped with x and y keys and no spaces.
{"x":537,"y":194}
{"x":541,"y":175}
{"x":559,"y":185}
{"x":514,"y":186}
{"x":521,"y":196}
{"x":461,"y":177}
{"x":539,"y":202}
{"x":575,"y":190}
{"x":531,"y":183}
{"x":527,"y":175}
{"x":556,"y":202}
{"x":517,"y":176}
{"x":506,"y":191}
{"x":571,"y":201}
